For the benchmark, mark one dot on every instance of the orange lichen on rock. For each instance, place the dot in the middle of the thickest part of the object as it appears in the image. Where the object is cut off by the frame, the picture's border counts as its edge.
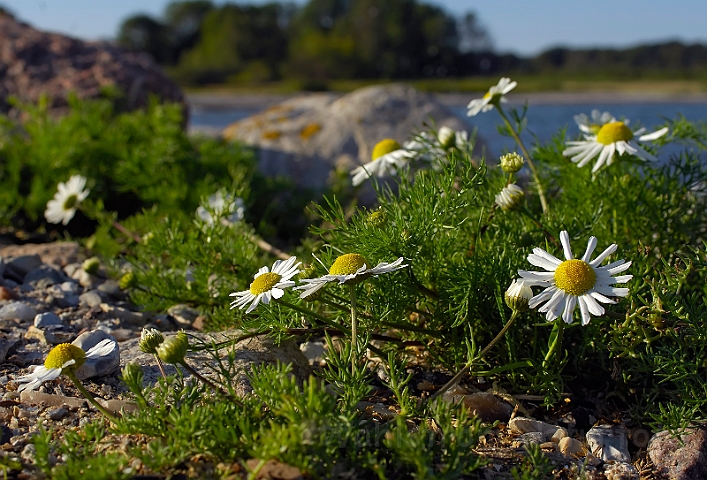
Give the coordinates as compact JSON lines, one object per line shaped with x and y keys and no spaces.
{"x":271,"y":134}
{"x":309,"y":130}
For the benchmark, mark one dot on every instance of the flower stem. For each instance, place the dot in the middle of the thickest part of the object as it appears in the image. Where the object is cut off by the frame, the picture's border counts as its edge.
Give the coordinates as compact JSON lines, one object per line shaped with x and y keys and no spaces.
{"x":209,"y":383}
{"x":481,"y":354}
{"x":514,"y":134}
{"x":161,"y":365}
{"x":556,"y":344}
{"x":89,"y":397}
{"x":354,"y":329}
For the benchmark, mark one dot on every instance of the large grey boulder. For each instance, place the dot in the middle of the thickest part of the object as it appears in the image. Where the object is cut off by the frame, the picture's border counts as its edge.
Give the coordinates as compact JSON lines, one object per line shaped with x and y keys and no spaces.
{"x":307,"y":137}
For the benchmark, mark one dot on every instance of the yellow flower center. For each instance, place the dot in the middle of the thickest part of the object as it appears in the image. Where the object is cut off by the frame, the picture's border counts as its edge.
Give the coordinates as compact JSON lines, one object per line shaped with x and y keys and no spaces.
{"x":384,"y":147}
{"x":70,"y":202}
{"x":614,"y":132}
{"x":64,"y":352}
{"x":263,"y":283}
{"x":347,"y":264}
{"x":575,"y":277}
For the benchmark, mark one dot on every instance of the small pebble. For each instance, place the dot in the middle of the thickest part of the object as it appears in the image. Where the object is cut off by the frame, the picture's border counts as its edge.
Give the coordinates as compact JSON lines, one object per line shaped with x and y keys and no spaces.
{"x":57,"y":413}
{"x":46,"y":319}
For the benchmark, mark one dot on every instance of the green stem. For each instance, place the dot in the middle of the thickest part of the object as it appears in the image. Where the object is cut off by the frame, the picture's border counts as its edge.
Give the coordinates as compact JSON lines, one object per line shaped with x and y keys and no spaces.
{"x":209,"y":383}
{"x":481,"y":354}
{"x":514,"y":134}
{"x":89,"y":397}
{"x":556,"y":344}
{"x":354,"y":329}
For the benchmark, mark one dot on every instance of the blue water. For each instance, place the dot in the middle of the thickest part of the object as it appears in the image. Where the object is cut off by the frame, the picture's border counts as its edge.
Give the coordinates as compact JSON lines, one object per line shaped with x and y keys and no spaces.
{"x":544,"y":121}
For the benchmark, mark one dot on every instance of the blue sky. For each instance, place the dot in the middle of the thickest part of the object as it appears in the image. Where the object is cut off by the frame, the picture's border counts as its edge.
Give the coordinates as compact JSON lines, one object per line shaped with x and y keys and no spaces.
{"x":524,"y":27}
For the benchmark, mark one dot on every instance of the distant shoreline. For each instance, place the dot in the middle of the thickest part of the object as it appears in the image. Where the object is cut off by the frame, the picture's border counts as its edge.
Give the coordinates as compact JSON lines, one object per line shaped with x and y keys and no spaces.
{"x":260,"y":101}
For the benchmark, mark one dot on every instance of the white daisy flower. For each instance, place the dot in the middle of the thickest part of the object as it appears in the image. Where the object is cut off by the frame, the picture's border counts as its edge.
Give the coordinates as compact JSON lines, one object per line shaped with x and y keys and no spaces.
{"x":64,"y":358}
{"x":388,"y":156}
{"x":575,"y":281}
{"x":510,"y":197}
{"x":347,"y":269}
{"x":62,"y":208}
{"x":267,"y":284}
{"x":612,"y":137}
{"x":593,"y":125}
{"x":491,"y":98}
{"x":224,"y":207}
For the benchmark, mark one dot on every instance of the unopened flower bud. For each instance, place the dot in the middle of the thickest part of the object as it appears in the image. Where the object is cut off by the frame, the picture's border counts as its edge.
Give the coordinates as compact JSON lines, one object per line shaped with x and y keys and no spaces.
{"x":132,"y":374}
{"x":510,"y":197}
{"x":447,"y":137}
{"x":127,"y":281}
{"x":90,"y":265}
{"x":378,"y":218}
{"x":173,"y":349}
{"x":518,"y":295}
{"x":150,"y":339}
{"x":512,"y":162}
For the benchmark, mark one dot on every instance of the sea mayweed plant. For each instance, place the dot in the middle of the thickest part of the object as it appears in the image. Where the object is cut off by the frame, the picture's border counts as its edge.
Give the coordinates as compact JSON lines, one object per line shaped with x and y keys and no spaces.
{"x":438,"y":275}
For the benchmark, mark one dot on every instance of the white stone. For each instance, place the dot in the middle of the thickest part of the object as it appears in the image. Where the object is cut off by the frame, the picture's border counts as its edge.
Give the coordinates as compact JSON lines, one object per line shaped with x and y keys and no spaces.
{"x":609,"y":442}
{"x":17,"y":310}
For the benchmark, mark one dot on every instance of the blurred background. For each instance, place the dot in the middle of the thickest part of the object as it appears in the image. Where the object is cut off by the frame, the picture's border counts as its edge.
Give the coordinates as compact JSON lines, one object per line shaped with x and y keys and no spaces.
{"x":648,"y":55}
{"x":313,"y":44}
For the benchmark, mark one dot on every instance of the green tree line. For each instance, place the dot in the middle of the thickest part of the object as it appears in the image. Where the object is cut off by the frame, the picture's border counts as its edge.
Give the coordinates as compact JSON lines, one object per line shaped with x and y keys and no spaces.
{"x":202,"y":43}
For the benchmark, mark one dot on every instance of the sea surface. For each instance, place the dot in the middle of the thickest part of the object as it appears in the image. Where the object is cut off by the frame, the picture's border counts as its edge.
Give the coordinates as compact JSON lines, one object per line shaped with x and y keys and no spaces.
{"x":543,"y":121}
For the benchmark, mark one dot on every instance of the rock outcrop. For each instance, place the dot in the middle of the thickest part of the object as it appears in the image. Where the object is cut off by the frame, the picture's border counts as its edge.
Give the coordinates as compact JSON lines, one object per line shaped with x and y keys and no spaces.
{"x":35,"y":64}
{"x":307,"y":137}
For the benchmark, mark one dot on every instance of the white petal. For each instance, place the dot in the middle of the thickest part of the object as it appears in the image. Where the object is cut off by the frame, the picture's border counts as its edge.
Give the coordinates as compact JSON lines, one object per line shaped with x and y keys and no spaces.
{"x":542,"y":253}
{"x":602,"y":256}
{"x":569,"y":308}
{"x":537,"y":279}
{"x":601,"y":298}
{"x":565,"y":240}
{"x":591,"y":245}
{"x":594,"y":307}
{"x":542,"y":296}
{"x":277,"y":293}
{"x":589,"y":154}
{"x":102,"y":348}
{"x":653,"y":136}
{"x":255,"y":303}
{"x":541,"y":262}
{"x":605,"y":154}
{"x":584,"y":311}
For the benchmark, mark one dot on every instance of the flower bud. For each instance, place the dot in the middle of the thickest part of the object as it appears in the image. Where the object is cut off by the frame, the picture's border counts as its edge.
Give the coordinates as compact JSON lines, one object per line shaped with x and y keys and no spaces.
{"x":128,"y":281}
{"x":173,"y":349}
{"x":132,"y":375}
{"x":150,"y":339}
{"x":518,"y":295}
{"x":447,"y":137}
{"x":378,"y":218}
{"x":510,"y":197}
{"x":512,"y":162}
{"x":90,"y":265}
